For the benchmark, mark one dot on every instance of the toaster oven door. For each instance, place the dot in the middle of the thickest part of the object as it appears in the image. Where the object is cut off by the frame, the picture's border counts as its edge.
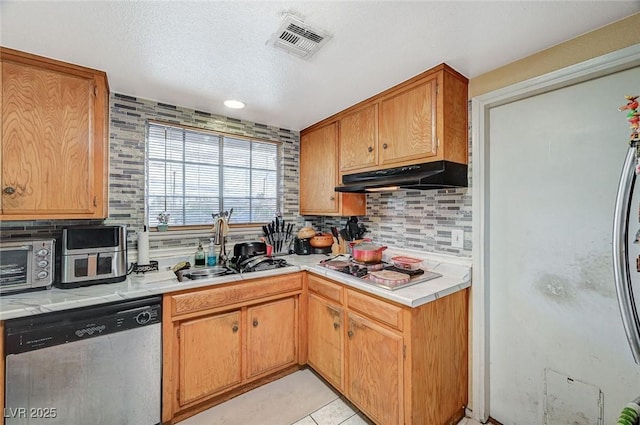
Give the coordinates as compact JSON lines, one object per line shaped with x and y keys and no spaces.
{"x":15,"y":268}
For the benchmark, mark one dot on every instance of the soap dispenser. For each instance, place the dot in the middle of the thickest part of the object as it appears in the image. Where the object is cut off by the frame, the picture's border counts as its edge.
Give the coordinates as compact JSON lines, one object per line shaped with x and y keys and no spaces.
{"x":199,"y":257}
{"x":211,"y":254}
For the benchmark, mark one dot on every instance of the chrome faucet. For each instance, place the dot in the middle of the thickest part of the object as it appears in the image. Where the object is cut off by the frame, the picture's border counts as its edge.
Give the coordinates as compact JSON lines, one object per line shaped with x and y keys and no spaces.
{"x":220,"y":238}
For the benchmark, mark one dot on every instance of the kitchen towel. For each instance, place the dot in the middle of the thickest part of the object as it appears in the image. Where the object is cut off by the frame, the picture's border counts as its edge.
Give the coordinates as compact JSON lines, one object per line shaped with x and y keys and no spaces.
{"x":143,"y":247}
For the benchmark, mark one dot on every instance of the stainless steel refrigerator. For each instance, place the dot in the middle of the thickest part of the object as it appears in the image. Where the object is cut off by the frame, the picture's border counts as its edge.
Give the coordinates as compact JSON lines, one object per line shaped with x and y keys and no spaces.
{"x":626,"y":247}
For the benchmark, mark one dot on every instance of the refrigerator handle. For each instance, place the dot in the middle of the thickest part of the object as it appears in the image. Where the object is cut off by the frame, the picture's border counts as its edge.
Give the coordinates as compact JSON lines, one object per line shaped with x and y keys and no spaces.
{"x":621,"y":260}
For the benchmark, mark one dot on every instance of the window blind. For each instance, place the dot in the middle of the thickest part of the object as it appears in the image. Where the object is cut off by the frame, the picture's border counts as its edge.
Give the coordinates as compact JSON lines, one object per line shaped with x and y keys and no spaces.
{"x":192,"y":174}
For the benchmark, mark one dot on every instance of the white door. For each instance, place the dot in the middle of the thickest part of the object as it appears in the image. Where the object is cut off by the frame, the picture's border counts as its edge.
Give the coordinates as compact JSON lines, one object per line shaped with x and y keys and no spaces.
{"x":554,"y":164}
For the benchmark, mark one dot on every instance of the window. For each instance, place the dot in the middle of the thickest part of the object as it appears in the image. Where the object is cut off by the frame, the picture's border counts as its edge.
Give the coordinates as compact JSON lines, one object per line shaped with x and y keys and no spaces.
{"x":192,"y":174}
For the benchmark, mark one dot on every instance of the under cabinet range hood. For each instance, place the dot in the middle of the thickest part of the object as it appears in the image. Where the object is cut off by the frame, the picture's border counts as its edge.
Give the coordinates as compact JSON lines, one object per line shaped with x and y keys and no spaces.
{"x":427,"y":176}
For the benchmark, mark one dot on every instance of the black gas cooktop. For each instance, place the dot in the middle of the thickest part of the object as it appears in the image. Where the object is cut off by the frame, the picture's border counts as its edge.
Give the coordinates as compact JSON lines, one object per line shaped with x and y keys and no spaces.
{"x":362,"y":271}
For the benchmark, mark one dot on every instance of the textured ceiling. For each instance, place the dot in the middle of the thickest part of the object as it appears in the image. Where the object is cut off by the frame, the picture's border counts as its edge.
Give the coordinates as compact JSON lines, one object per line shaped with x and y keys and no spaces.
{"x":199,"y":53}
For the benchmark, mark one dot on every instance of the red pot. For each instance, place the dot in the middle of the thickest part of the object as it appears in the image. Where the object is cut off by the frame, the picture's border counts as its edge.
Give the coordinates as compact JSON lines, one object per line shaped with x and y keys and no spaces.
{"x":366,"y":252}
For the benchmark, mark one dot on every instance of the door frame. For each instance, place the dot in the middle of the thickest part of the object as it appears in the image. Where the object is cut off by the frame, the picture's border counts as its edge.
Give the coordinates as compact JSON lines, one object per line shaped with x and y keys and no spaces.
{"x":481,"y":106}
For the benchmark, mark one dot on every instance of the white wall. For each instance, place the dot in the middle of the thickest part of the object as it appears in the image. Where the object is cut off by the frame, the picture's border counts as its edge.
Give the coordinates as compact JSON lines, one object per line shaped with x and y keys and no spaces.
{"x":554,"y":164}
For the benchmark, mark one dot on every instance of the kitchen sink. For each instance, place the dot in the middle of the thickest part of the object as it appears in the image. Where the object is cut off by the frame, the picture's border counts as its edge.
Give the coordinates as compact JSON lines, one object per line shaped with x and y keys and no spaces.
{"x":195,"y":273}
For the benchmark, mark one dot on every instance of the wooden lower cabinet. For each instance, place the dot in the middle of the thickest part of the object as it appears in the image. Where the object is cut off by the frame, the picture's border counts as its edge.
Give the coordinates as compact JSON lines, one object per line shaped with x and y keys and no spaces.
{"x":375,"y":370}
{"x":272,"y":336}
{"x":210,"y":350}
{"x":223,"y":340}
{"x":325,"y":338}
{"x":399,"y":365}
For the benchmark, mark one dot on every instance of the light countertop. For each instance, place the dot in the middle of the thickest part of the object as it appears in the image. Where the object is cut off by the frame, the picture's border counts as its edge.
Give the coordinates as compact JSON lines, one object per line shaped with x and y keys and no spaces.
{"x":456,"y":275}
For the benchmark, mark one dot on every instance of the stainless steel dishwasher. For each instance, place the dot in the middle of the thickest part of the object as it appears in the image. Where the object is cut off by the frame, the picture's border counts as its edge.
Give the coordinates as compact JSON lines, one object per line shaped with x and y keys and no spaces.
{"x":95,"y":365}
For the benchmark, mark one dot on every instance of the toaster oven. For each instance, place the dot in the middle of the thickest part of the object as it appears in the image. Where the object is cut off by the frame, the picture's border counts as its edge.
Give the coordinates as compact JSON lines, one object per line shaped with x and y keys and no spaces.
{"x":26,"y":264}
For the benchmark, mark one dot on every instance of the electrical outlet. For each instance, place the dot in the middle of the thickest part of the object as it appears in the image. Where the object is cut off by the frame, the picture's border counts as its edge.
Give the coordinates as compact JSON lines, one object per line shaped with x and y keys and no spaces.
{"x":457,"y":238}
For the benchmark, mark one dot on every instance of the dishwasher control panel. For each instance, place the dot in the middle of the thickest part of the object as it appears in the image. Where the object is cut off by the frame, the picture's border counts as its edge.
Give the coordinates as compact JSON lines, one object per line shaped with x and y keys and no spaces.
{"x":47,"y":330}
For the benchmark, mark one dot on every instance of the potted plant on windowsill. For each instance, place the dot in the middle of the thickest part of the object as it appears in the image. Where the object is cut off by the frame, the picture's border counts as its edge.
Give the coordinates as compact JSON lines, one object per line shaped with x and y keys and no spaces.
{"x":163,"y":221}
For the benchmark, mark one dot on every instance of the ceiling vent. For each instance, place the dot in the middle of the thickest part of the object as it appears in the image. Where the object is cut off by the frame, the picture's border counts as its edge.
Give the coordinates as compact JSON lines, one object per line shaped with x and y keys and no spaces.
{"x":298,"y":38}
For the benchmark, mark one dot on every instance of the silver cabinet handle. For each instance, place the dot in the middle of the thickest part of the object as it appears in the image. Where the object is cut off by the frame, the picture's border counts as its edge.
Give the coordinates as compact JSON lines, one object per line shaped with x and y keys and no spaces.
{"x":370,"y":149}
{"x":336,"y":325}
{"x":384,"y":146}
{"x":234,"y":328}
{"x":9,"y":190}
{"x":255,"y":323}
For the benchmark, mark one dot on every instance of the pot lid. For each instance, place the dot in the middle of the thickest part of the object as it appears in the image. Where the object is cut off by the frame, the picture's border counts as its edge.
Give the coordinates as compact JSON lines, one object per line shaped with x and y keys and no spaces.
{"x":367,"y":246}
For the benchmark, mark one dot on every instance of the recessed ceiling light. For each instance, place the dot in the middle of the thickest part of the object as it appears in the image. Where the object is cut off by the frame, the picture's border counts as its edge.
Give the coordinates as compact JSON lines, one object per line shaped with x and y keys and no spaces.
{"x":234,"y":104}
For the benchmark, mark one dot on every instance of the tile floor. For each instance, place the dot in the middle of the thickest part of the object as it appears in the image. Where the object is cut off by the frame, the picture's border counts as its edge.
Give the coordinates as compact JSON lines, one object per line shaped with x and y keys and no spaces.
{"x":301,"y":398}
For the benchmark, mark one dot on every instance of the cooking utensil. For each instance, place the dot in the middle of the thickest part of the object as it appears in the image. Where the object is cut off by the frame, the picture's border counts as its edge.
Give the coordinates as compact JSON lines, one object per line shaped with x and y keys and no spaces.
{"x":361,"y":231}
{"x":289,"y":230}
{"x":366,"y":252}
{"x":321,"y":240}
{"x":249,"y":249}
{"x":335,"y":264}
{"x":278,"y":234}
{"x":334,"y":232}
{"x":344,"y":234}
{"x":352,"y":228}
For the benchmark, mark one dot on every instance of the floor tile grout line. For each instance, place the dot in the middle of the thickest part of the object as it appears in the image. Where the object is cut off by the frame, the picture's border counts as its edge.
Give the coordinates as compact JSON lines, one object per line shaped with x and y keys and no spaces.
{"x":308,"y":416}
{"x":355,"y":414}
{"x":322,"y":407}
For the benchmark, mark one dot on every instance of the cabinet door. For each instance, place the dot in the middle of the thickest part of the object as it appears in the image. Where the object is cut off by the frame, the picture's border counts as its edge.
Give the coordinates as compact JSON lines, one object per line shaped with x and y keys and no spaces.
{"x":272,"y":336}
{"x":359,"y":139}
{"x":319,"y":171}
{"x":49,"y":155}
{"x":408,"y":125}
{"x":375,"y":370}
{"x":210,"y":353}
{"x":325,"y":339}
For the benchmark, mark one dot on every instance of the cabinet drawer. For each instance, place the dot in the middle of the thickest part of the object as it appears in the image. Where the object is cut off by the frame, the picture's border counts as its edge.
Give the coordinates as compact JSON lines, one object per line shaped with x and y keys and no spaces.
{"x":234,"y":294}
{"x":384,"y":312}
{"x":327,"y":289}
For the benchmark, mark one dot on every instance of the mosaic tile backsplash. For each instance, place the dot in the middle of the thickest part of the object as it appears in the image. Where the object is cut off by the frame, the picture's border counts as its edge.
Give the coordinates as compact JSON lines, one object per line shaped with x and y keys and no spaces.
{"x":412,"y":219}
{"x":129,"y":117}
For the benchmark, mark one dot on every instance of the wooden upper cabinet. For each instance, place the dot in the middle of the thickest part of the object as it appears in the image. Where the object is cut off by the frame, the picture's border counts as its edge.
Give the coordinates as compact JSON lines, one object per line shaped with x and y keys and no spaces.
{"x":359,"y":139}
{"x":408,"y":124}
{"x":319,"y":176}
{"x":319,"y":170}
{"x":421,"y":120}
{"x":54,"y":147}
